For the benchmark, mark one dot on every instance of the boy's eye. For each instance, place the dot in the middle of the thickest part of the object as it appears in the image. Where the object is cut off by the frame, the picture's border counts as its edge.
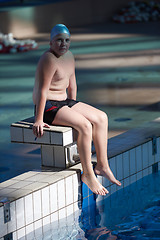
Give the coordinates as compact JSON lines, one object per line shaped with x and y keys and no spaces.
{"x":61,"y":40}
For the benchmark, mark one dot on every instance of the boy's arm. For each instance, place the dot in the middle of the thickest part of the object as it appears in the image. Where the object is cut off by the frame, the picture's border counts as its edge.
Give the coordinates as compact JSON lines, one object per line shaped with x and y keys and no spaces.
{"x":45,"y":72}
{"x":72,"y":88}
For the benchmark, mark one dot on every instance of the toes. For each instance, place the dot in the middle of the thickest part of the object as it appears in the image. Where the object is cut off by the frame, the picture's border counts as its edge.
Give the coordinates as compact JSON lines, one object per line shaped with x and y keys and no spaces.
{"x":106,"y":191}
{"x":118,"y":183}
{"x":103,"y":191}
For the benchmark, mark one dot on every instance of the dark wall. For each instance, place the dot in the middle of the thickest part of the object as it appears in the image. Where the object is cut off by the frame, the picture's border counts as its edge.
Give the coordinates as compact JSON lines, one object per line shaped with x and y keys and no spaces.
{"x":25,"y":21}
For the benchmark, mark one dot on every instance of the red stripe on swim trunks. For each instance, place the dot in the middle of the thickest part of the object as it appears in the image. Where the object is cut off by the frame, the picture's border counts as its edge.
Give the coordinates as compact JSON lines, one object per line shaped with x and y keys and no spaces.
{"x":49,"y":109}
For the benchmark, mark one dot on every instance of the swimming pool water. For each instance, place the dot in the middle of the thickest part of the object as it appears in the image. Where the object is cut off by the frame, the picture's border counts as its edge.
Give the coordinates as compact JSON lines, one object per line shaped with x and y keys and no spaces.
{"x":130,"y":213}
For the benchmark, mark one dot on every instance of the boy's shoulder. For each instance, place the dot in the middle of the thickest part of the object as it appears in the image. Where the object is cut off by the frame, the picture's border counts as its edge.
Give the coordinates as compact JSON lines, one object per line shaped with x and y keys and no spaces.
{"x":48,"y":54}
{"x":47,"y":57}
{"x":70,"y":54}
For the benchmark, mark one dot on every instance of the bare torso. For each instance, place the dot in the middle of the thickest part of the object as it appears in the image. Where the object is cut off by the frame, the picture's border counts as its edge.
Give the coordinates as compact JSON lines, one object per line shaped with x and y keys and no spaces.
{"x":58,"y":72}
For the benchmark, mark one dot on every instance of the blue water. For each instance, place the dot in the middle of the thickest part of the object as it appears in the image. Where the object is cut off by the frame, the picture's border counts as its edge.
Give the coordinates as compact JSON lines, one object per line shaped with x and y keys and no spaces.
{"x":130,"y":213}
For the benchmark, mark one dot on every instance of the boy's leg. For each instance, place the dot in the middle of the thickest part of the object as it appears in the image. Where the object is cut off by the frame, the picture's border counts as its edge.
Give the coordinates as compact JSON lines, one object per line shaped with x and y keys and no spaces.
{"x":68,"y":117}
{"x":99,"y":121}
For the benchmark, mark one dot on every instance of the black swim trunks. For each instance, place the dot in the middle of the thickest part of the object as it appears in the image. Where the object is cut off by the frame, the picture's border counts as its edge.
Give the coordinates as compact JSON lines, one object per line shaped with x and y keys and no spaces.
{"x":52,"y":107}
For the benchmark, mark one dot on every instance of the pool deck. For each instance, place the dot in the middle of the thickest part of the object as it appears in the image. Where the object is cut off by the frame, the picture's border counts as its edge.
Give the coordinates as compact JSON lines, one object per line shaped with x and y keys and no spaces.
{"x":118,"y":71}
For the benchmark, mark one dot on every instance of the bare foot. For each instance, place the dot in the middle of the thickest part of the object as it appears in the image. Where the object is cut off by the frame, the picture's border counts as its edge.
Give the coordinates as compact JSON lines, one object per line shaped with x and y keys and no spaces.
{"x":91,"y":181}
{"x":107,"y":173}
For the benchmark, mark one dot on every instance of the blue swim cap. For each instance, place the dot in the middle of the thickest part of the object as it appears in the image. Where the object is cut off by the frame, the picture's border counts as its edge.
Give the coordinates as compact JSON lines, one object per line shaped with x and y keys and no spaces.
{"x":59,"y":28}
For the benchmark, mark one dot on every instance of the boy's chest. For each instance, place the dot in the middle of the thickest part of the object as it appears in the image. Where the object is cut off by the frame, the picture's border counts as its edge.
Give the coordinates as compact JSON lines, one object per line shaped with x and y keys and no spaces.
{"x":63,"y":72}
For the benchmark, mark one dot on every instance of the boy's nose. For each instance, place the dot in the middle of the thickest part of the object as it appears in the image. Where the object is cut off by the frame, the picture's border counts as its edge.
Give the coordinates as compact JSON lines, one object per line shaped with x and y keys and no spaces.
{"x":64,"y":42}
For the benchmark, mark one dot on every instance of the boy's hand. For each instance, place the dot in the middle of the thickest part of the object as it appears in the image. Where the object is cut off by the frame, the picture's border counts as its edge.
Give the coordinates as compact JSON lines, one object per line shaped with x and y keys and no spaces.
{"x":38,"y":128}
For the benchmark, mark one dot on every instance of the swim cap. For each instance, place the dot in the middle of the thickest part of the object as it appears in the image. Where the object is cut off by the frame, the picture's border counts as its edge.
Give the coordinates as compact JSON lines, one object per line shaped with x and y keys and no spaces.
{"x":59,"y":28}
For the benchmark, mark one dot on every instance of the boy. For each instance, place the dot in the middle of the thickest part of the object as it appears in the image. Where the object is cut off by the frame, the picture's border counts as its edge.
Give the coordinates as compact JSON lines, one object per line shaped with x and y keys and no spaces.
{"x":54,"y":96}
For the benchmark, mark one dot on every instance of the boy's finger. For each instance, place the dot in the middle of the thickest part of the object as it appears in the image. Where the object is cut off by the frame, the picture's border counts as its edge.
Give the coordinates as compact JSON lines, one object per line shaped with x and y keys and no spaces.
{"x":37,"y":131}
{"x":46,"y":125}
{"x":41,"y":130}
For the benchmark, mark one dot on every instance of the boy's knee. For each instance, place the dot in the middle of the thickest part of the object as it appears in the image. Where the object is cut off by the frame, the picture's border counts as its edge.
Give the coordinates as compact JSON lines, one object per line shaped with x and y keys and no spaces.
{"x":102,"y":118}
{"x":86,"y":127}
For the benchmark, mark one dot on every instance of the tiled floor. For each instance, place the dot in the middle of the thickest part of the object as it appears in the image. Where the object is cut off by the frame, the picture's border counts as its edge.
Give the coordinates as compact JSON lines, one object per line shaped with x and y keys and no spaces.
{"x":118,"y":71}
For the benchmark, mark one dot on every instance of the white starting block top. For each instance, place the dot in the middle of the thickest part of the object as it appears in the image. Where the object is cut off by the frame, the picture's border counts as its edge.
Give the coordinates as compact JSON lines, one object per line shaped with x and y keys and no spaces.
{"x":21,"y":132}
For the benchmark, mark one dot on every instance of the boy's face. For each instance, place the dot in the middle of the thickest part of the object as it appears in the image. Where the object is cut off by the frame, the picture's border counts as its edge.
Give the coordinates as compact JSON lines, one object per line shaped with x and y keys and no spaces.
{"x":60,"y":44}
